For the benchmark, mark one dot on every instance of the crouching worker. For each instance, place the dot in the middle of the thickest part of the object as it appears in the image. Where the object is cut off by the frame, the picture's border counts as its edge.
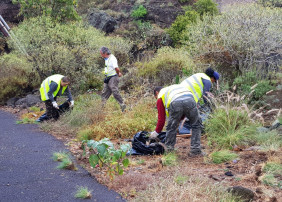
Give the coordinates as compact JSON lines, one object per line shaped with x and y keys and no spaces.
{"x":52,"y":87}
{"x":177,"y":102}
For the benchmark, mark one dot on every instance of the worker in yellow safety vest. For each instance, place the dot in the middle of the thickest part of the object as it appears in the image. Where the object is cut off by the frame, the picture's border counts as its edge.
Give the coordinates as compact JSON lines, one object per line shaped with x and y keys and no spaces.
{"x":50,"y":89}
{"x":179,"y":101}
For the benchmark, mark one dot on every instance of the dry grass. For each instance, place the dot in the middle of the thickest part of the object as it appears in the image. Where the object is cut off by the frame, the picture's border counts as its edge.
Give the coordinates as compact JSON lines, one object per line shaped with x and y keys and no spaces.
{"x":191,"y":188}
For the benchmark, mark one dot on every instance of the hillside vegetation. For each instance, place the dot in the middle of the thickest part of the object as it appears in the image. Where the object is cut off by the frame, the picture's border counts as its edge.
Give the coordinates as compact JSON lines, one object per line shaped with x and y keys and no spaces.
{"x":243,"y":43}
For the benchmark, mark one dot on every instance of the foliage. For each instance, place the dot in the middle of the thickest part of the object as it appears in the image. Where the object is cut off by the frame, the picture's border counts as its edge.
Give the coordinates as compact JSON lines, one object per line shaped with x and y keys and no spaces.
{"x":206,"y":7}
{"x":166,"y":64}
{"x":184,"y":1}
{"x":58,"y":10}
{"x":103,"y":154}
{"x":66,"y":163}
{"x":182,"y":23}
{"x":115,"y":124}
{"x":271,"y":180}
{"x":227,"y":127}
{"x":270,"y":141}
{"x":34,"y":109}
{"x":83,"y":193}
{"x":25,"y":120}
{"x":245,"y":83}
{"x":70,"y":49}
{"x":169,"y":159}
{"x":59,"y":156}
{"x":273,"y":167}
{"x":139,"y":12}
{"x":275,"y":3}
{"x":84,"y":134}
{"x":244,"y":37}
{"x":16,"y":76}
{"x":222,"y":156}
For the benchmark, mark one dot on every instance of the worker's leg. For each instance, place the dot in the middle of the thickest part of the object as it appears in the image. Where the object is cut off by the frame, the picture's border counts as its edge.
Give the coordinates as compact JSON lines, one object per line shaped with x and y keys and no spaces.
{"x":175,"y":114}
{"x":106,"y":93}
{"x":191,"y":112}
{"x":113,"y":84}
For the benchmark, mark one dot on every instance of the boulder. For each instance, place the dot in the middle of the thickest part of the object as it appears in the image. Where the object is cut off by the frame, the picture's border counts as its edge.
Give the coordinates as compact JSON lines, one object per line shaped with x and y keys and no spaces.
{"x":242,"y":192}
{"x":11,"y":102}
{"x":21,"y":101}
{"x":101,"y":20}
{"x":32,"y":100}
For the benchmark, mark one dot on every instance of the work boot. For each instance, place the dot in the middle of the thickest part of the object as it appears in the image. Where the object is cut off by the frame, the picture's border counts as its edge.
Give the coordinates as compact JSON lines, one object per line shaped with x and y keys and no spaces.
{"x":122,"y":107}
{"x":196,"y":154}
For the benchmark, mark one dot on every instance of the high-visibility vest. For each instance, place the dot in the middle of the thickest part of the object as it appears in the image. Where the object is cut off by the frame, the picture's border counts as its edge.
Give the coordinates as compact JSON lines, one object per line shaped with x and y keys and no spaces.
{"x":195,"y":84}
{"x":107,"y":71}
{"x":170,"y":93}
{"x":45,"y":86}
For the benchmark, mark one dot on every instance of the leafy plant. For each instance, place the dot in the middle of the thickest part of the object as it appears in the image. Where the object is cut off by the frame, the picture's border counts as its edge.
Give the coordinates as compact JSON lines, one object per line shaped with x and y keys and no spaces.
{"x":59,"y":156}
{"x":103,"y":154}
{"x":139,"y":12}
{"x":58,"y":10}
{"x":222,"y":156}
{"x":83,"y":193}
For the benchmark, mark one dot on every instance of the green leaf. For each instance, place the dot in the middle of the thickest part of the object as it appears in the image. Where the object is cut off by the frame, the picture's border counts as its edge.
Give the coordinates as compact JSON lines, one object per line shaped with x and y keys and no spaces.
{"x":93,"y":160}
{"x":125,"y":147}
{"x":102,"y":149}
{"x":125,"y":162}
{"x":117,"y":154}
{"x":120,"y":171}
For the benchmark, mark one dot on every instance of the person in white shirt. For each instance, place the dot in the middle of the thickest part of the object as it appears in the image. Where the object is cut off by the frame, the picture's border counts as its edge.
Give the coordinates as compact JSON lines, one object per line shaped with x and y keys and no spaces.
{"x":111,"y":81}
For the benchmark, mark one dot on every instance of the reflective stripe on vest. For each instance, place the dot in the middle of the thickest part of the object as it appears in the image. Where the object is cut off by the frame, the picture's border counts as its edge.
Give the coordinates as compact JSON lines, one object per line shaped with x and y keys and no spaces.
{"x":169,"y":94}
{"x":195,"y":84}
{"x":45,"y":86}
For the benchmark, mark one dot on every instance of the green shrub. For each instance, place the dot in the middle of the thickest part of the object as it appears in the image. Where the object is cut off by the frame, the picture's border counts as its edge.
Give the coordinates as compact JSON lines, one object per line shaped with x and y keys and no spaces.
{"x":206,"y":7}
{"x":139,"y":12}
{"x":235,"y":38}
{"x":182,"y":23}
{"x":70,"y":49}
{"x":16,"y":76}
{"x":223,"y":156}
{"x":169,"y":159}
{"x":227,"y":127}
{"x":59,"y":10}
{"x":166,"y":64}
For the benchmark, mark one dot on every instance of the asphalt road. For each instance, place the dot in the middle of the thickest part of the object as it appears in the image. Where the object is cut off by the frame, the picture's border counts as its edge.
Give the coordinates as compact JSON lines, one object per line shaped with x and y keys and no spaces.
{"x":27,"y":172}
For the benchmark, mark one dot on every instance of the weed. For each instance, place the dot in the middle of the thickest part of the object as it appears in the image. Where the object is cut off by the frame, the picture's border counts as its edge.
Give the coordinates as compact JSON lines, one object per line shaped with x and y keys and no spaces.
{"x":270,"y":141}
{"x":34,"y":109}
{"x":270,"y":180}
{"x":25,"y":120}
{"x":273,"y":168}
{"x":84,"y":134}
{"x":139,"y":12}
{"x":169,"y":159}
{"x":83,"y":193}
{"x":66,"y":163}
{"x":181,"y":179}
{"x":222,"y":156}
{"x":59,"y":156}
{"x":141,"y":162}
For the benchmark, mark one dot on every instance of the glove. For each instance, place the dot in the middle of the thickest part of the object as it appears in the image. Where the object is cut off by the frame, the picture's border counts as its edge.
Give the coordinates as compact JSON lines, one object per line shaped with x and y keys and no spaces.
{"x":72,"y":103}
{"x":154,"y":135}
{"x":55,"y":105}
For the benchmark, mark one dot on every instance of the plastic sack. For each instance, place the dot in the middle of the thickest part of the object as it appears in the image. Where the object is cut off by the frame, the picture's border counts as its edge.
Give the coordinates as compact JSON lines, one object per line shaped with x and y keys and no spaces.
{"x":139,"y":146}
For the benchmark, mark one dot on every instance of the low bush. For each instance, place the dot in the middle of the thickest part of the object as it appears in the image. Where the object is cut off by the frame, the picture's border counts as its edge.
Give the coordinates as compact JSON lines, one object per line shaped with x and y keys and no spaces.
{"x":16,"y":76}
{"x":206,"y":7}
{"x":222,"y":156}
{"x":139,"y":12}
{"x":227,"y":127}
{"x":165,"y":66}
{"x":235,"y":38}
{"x":70,"y":49}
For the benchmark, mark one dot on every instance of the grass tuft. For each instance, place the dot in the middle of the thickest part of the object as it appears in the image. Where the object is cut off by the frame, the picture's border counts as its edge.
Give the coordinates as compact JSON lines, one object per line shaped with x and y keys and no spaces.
{"x":169,"y":159}
{"x":83,"y":193}
{"x":66,"y":163}
{"x":222,"y":156}
{"x":59,"y":156}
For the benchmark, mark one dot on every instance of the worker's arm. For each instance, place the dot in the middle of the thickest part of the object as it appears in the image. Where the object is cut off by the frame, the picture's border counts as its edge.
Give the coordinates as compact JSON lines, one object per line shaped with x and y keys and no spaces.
{"x":207,"y":88}
{"x":118,"y":72}
{"x":52,"y":88}
{"x":68,"y":93}
{"x":161,"y":116}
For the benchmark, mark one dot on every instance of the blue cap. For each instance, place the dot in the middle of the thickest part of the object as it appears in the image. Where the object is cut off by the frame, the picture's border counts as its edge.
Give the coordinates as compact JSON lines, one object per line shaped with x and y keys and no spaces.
{"x":216,"y":75}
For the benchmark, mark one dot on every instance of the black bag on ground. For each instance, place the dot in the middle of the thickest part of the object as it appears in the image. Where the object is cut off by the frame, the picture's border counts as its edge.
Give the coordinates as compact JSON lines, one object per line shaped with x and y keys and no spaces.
{"x":140,"y":147}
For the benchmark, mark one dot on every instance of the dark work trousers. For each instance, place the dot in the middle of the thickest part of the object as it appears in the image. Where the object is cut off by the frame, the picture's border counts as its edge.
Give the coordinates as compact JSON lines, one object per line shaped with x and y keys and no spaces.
{"x":52,"y":112}
{"x":111,"y":88}
{"x":177,"y":109}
